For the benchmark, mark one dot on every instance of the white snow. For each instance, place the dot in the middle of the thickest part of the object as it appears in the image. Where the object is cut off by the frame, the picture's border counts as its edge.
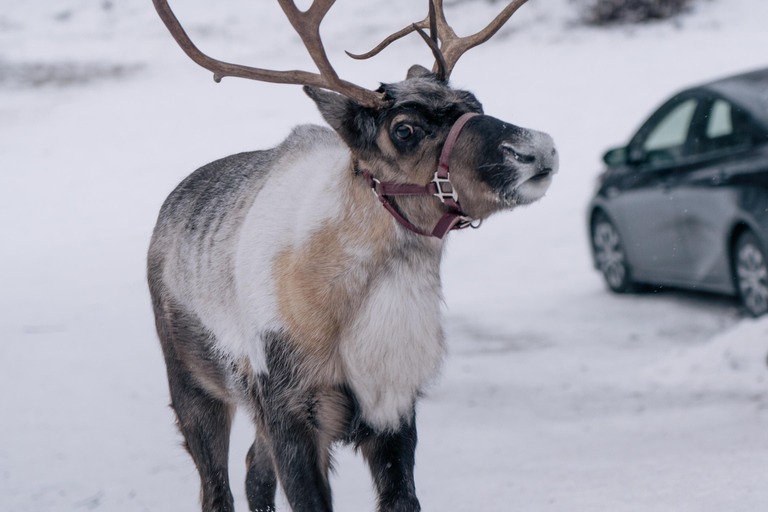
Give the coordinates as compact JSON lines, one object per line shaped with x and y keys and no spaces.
{"x":557,"y":395}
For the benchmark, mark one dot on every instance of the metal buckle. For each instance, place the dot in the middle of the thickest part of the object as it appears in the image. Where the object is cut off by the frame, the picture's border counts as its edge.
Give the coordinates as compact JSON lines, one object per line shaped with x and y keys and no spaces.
{"x":376,"y":183}
{"x":466,"y":222}
{"x":443,"y":193}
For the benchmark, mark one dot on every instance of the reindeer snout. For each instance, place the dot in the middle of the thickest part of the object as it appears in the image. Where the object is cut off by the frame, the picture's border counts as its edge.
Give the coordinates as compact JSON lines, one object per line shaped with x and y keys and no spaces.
{"x":537,"y":153}
{"x":533,"y":158}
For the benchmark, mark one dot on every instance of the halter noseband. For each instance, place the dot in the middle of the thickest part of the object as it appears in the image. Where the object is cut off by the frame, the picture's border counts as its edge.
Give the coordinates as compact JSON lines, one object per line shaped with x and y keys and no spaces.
{"x":440,"y":187}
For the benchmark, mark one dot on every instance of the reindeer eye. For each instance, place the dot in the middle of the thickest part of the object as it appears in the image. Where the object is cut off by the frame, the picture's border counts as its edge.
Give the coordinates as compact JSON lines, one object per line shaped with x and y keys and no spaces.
{"x":403,"y":131}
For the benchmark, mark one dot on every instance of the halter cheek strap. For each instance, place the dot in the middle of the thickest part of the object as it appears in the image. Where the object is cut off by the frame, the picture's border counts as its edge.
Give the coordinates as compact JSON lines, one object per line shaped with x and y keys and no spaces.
{"x":440,"y":187}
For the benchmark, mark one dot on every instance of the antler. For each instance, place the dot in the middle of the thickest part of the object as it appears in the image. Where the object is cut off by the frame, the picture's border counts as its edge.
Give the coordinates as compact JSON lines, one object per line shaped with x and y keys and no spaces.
{"x":307,"y":24}
{"x":451,"y":46}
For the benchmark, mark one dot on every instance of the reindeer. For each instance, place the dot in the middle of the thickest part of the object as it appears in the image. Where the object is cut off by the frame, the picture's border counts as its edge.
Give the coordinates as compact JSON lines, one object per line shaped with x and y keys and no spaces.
{"x":280,"y":283}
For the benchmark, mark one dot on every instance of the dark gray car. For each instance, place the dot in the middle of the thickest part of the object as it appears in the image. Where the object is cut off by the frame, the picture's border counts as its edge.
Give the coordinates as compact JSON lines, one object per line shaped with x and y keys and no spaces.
{"x":685,"y":203}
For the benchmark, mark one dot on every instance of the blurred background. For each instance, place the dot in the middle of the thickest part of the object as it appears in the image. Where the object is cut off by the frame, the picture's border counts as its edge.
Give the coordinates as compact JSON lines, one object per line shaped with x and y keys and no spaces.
{"x":557,"y":393}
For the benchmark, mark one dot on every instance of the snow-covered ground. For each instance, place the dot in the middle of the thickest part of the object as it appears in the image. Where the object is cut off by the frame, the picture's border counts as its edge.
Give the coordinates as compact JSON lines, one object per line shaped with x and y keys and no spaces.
{"x":557,"y":395}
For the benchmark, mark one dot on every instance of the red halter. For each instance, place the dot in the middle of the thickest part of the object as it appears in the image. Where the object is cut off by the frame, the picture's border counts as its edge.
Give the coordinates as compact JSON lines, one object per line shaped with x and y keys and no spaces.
{"x":440,"y":187}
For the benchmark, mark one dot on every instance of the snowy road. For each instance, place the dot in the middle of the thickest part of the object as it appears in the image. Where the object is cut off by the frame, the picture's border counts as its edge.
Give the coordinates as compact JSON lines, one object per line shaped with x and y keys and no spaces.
{"x":556,"y":395}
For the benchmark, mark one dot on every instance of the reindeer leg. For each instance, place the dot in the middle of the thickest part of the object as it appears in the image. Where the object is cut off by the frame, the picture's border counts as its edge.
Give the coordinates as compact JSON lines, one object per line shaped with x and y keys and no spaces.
{"x":200,"y":401}
{"x":260,"y":481}
{"x":296,"y":451}
{"x":390,"y":456}
{"x":287,"y":413}
{"x":205,"y":423}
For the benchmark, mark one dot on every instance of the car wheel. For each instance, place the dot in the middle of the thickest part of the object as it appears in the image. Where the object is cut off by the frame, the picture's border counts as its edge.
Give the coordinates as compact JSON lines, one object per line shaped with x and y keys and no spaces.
{"x":610,"y":256}
{"x":751,"y":274}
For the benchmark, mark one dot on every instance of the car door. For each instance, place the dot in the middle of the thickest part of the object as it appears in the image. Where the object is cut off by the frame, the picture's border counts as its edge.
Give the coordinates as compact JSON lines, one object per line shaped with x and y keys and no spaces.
{"x":644,"y":202}
{"x":705,"y":200}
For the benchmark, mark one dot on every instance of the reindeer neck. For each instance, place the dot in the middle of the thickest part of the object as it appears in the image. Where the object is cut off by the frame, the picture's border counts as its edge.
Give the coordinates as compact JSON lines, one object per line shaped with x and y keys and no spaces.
{"x":423,"y":209}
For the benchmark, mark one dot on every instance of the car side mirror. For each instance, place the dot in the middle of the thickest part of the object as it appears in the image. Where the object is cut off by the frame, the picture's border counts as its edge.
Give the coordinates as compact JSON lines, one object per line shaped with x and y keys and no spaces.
{"x":616,"y":157}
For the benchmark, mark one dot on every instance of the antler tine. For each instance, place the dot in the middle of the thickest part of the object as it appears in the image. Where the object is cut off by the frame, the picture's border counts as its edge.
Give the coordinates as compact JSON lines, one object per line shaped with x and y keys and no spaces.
{"x":451,"y":46}
{"x":431,"y":40}
{"x":454,"y":47}
{"x":307,"y":24}
{"x":439,"y":19}
{"x":423,"y":24}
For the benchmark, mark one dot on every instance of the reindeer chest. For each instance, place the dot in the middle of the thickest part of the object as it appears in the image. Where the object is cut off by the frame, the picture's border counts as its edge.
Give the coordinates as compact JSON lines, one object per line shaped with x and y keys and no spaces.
{"x":374,"y":326}
{"x":394,"y":345}
{"x":371,"y":324}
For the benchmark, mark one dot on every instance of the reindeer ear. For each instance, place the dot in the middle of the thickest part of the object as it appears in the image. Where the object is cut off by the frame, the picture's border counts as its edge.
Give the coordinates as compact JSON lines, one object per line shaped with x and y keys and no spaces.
{"x":355,"y":124}
{"x":417,"y":71}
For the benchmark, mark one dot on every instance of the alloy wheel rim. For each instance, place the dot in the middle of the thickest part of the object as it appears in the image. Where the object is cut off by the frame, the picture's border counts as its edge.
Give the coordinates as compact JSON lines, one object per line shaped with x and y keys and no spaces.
{"x":609,"y":254}
{"x":752,"y":276}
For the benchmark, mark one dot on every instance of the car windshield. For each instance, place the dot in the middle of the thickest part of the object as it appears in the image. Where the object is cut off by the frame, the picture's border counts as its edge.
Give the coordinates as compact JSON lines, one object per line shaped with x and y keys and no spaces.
{"x":672,"y":130}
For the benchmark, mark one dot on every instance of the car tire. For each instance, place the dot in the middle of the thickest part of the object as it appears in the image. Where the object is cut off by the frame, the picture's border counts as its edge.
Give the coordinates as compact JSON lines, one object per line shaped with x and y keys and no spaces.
{"x":610,"y":256}
{"x":750,"y":274}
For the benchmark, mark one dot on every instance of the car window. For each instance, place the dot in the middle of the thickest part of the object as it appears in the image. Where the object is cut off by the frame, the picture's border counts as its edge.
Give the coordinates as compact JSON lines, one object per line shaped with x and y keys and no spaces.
{"x":672,"y":131}
{"x":719,"y":122}
{"x":727,"y":127}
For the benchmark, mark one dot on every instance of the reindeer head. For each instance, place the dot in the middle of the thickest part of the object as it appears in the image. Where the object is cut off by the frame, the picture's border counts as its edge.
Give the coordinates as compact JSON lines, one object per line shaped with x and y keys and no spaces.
{"x":397,"y":134}
{"x":493,"y":164}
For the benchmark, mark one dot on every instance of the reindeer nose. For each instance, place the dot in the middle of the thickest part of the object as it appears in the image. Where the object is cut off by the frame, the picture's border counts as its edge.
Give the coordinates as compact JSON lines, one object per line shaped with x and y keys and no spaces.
{"x":553,"y":159}
{"x":518,"y":154}
{"x":536,"y":150}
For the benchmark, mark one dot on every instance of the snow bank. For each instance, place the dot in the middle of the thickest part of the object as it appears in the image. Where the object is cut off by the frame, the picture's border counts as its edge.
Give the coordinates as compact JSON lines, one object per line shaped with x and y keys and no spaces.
{"x":735,"y":361}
